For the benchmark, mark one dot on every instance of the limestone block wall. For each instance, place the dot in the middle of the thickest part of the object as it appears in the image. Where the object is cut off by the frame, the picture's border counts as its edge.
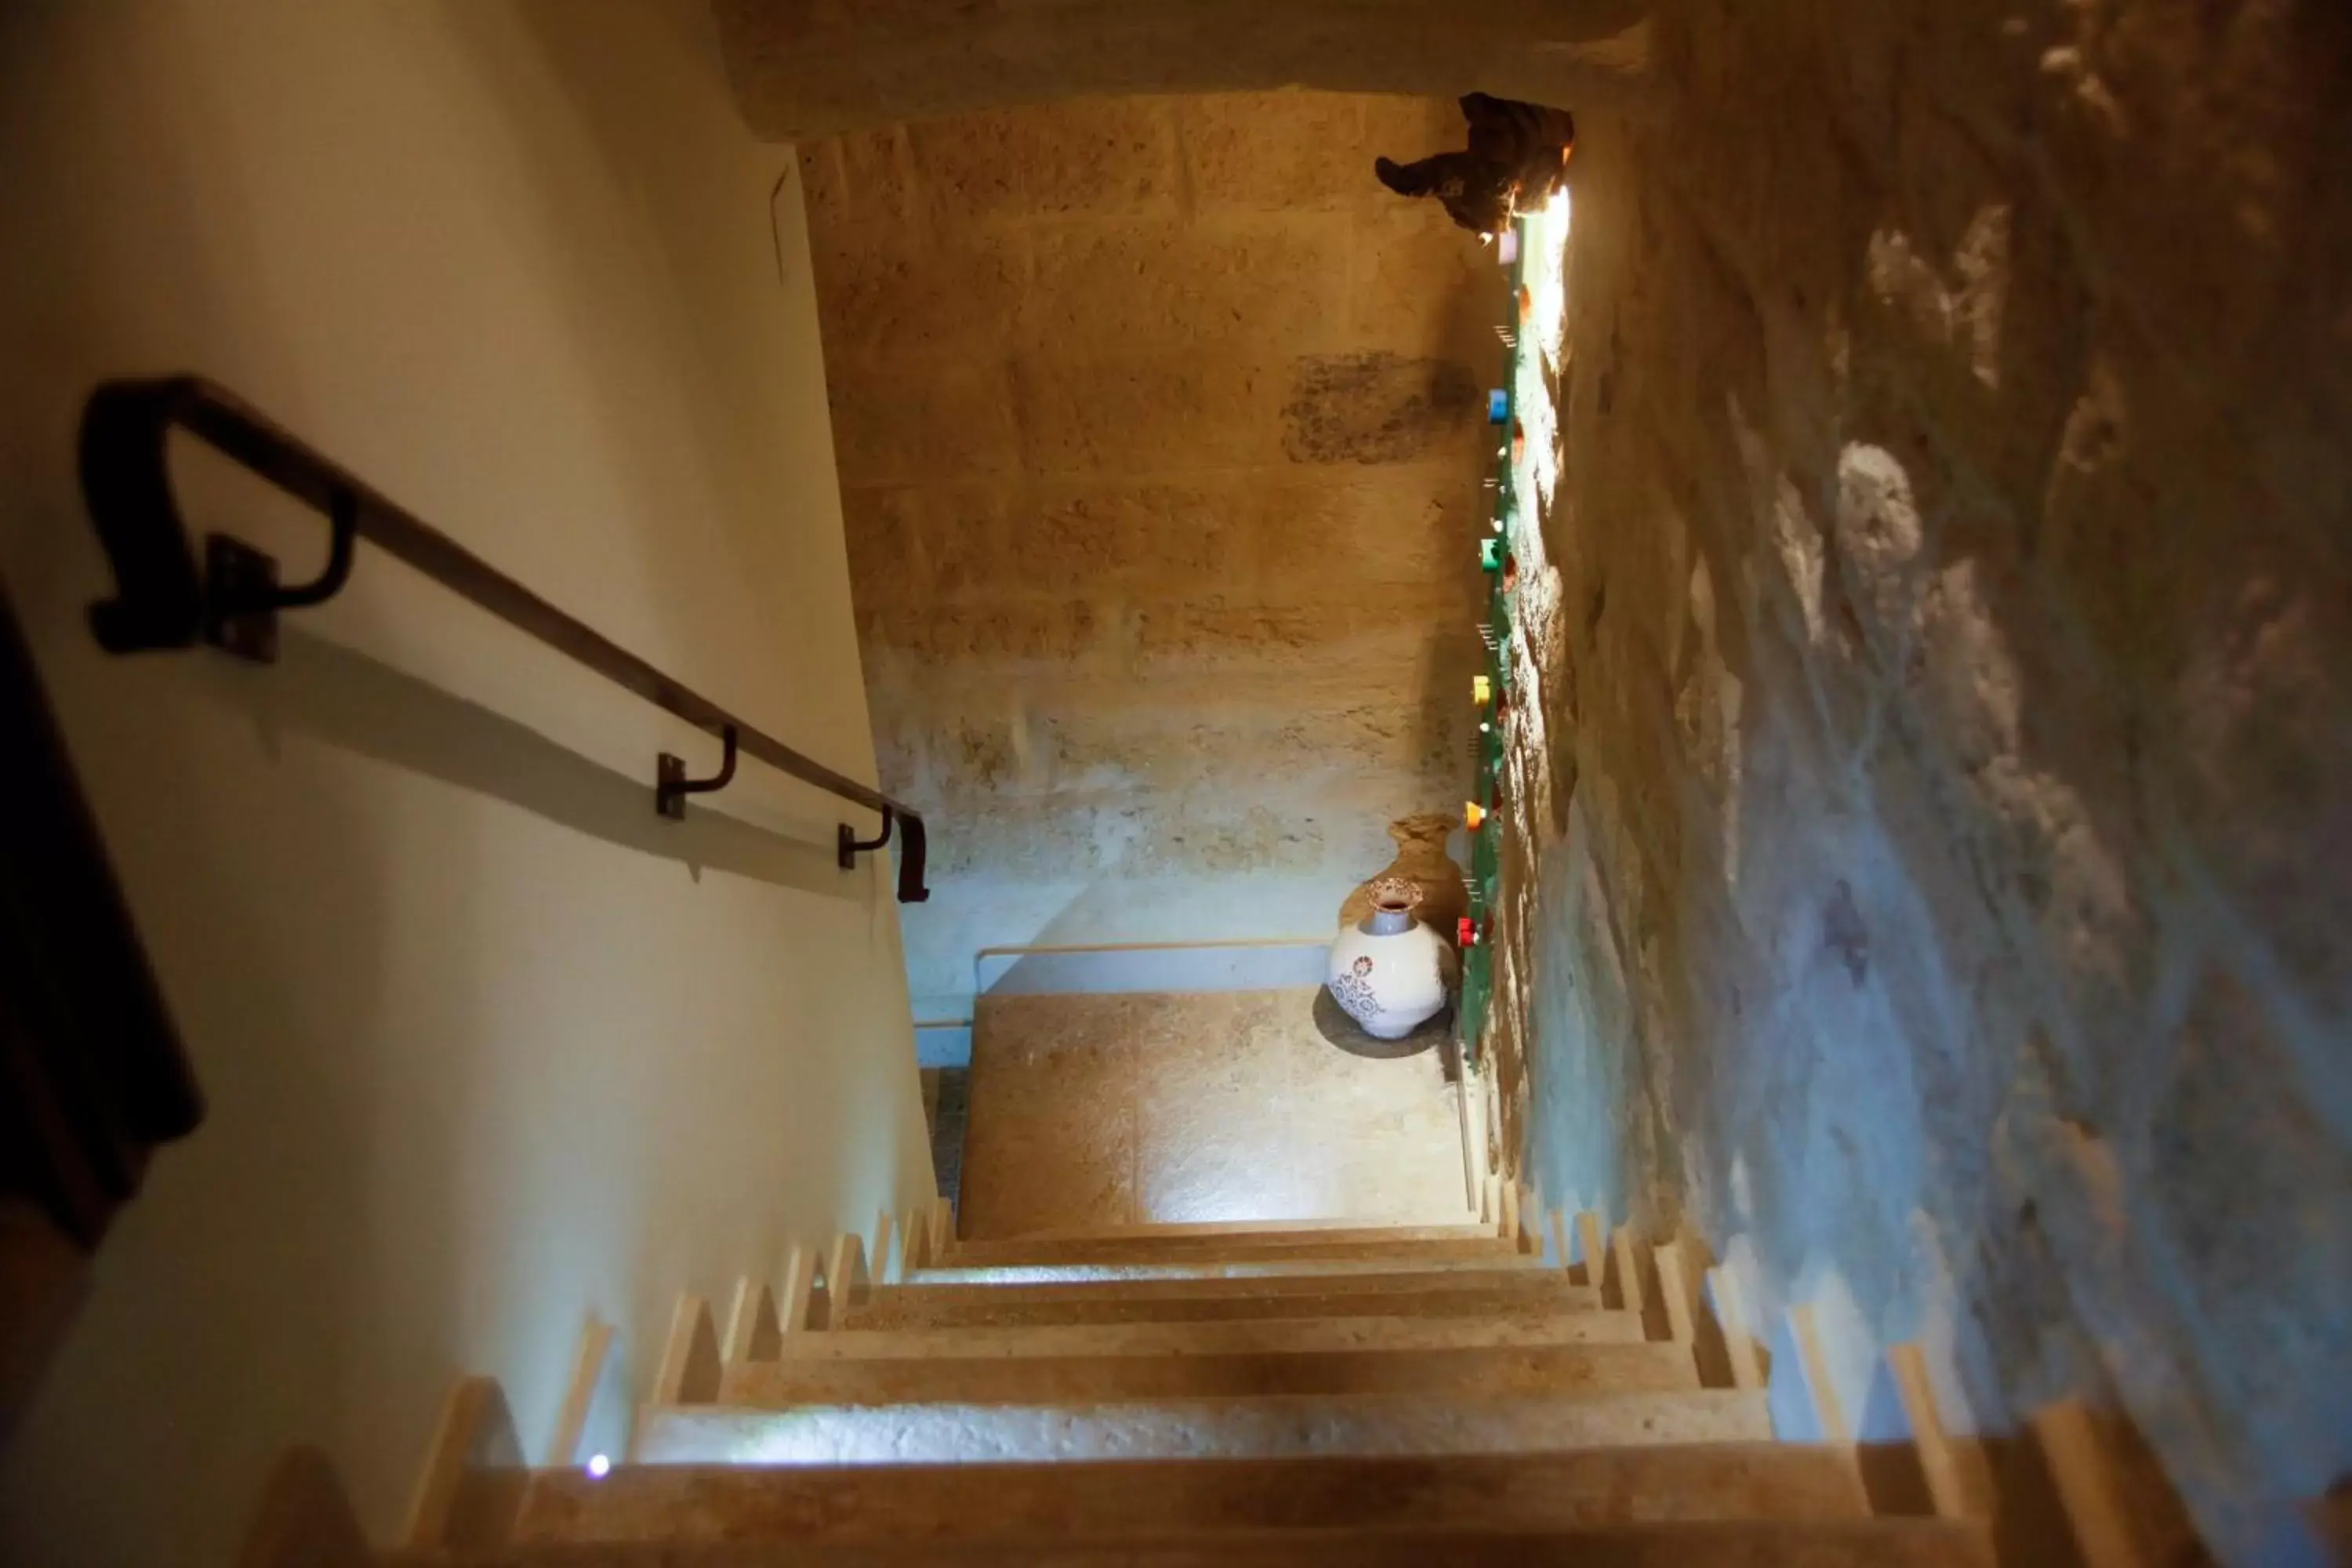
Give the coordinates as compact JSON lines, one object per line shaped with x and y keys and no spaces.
{"x":1940,"y":813}
{"x":1159,"y":424}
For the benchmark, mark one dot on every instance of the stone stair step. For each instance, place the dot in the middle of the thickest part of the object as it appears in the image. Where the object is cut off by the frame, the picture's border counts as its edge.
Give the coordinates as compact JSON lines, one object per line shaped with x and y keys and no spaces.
{"x":943,"y":1288}
{"x":1245,"y":1231}
{"x":1000,"y":1380}
{"x":1427,"y":1258}
{"x":1207,"y":1429}
{"x":1827,"y":1543}
{"x":1512,"y":1293}
{"x":1500,"y":1491}
{"x":1232,"y":1336}
{"x":1177,"y":1243}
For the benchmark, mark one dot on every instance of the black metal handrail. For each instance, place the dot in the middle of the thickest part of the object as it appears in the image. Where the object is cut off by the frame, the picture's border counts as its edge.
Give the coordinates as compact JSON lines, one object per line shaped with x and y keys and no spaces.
{"x":165,"y":599}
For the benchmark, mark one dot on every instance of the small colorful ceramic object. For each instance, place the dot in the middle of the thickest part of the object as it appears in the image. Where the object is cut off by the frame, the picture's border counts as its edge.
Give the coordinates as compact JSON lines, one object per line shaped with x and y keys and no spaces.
{"x":1482,"y":691}
{"x":1498,"y":405}
{"x":1490,"y":554}
{"x":1473,"y":815}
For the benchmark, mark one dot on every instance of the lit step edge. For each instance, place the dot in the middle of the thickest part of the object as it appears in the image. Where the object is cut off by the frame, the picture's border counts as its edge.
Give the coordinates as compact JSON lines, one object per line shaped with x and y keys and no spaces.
{"x":1237,"y":1428}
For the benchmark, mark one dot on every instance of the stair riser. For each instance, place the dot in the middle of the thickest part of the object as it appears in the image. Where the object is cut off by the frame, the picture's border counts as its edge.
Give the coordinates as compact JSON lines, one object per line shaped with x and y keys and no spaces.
{"x":1232,"y":1236}
{"x":1579,"y":1368}
{"x":1874,"y":1544}
{"x":1532,"y":1491}
{"x":1011,"y":1309}
{"x":1528,"y":1284}
{"x":1487,"y":1248}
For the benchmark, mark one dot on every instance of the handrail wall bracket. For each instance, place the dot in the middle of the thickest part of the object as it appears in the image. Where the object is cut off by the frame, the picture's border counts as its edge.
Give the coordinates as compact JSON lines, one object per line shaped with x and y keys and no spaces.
{"x":672,"y":786}
{"x":845,"y":838}
{"x":910,"y":854}
{"x":164,"y":598}
{"x":241,"y":594}
{"x":240,"y":582}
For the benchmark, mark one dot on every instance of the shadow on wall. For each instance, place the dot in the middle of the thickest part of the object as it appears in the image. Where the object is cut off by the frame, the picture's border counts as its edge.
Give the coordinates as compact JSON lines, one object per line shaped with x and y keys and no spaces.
{"x":350,"y":702}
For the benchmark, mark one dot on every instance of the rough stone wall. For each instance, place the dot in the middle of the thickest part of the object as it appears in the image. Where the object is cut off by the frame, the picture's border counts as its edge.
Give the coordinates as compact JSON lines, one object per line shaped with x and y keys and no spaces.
{"x":1159,"y":426}
{"x":1943,"y":791}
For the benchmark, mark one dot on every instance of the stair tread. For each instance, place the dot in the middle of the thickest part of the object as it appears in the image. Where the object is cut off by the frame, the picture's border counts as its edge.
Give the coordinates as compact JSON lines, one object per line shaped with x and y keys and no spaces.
{"x":1468,"y":1370}
{"x":1829,"y":1543}
{"x":1218,"y":1336}
{"x":1535,"y":1490}
{"x":1546,"y":1282}
{"x":925,"y":1432}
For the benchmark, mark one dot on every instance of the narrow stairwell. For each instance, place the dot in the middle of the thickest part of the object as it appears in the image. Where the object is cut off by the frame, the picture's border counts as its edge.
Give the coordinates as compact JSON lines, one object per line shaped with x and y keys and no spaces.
{"x":1169,"y":1395}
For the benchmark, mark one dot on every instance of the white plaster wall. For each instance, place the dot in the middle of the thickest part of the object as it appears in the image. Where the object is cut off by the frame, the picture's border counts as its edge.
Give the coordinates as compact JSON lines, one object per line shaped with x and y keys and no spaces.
{"x":487,"y":1046}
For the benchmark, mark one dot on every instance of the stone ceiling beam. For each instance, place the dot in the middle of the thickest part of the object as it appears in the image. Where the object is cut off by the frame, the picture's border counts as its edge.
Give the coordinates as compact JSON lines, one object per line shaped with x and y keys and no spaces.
{"x":817,"y":67}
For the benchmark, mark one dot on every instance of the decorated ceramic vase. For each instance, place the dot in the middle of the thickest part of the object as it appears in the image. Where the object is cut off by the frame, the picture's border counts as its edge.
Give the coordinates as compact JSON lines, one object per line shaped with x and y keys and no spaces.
{"x":1388,"y":969}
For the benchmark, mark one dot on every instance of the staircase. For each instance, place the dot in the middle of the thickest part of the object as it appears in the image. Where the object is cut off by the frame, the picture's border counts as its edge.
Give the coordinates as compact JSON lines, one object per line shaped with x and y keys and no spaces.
{"x":1213,"y":1394}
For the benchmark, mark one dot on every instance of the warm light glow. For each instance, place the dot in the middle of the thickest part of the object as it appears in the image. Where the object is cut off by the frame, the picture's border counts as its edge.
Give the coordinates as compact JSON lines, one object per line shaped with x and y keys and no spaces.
{"x":600,"y":1465}
{"x":1544,"y":274}
{"x":1532,"y":484}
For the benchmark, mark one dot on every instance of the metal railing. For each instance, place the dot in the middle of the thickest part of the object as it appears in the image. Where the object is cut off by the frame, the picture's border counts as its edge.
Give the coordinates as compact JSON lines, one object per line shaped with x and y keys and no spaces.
{"x":166,"y":598}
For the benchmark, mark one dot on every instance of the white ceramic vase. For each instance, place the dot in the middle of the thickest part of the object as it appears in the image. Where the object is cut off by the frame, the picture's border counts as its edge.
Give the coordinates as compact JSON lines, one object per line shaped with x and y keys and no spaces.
{"x":1388,"y":969}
